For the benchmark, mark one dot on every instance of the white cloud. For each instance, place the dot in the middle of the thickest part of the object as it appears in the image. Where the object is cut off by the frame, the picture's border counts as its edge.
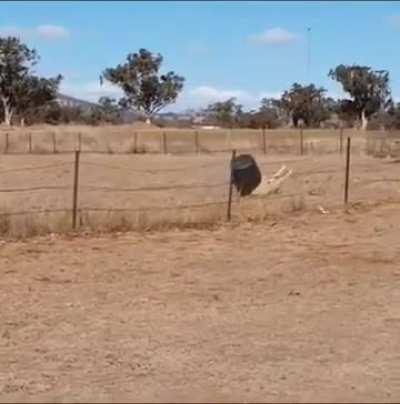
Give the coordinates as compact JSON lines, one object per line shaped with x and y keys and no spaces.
{"x":200,"y":97}
{"x":52,"y":32}
{"x":211,"y":94}
{"x":274,"y":36}
{"x":46,"y":32}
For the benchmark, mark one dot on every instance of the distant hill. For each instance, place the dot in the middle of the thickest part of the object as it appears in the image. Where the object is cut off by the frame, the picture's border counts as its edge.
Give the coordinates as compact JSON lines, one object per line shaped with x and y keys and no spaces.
{"x":128,"y":116}
{"x":68,"y":101}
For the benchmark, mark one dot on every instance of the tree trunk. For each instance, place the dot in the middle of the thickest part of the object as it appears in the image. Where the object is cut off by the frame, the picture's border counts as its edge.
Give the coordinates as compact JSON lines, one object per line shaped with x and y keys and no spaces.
{"x":364,"y":120}
{"x":22,"y":122}
{"x":8,"y":112}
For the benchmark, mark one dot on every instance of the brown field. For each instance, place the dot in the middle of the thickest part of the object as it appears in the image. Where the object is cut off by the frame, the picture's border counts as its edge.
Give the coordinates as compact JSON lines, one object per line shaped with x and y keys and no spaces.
{"x":127,"y":138}
{"x":300,"y":309}
{"x":296,"y":300}
{"x":145,"y":191}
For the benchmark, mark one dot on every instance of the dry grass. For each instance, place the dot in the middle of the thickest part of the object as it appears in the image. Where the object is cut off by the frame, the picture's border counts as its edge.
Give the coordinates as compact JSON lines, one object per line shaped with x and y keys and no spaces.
{"x":317,"y":179}
{"x":127,"y":138}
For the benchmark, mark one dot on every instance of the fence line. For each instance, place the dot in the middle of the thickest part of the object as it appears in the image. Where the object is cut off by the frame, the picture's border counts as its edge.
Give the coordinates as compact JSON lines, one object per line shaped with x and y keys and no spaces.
{"x":151,"y":208}
{"x":155,"y":170}
{"x":150,"y":189}
{"x":33,"y":189}
{"x":34,"y":211}
{"x":35,"y":168}
{"x":265,"y":140}
{"x":75,"y":209}
{"x":379,"y":180}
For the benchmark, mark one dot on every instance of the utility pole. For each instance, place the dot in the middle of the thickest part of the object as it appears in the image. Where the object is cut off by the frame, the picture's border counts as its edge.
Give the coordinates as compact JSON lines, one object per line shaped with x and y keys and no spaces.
{"x":308,"y":52}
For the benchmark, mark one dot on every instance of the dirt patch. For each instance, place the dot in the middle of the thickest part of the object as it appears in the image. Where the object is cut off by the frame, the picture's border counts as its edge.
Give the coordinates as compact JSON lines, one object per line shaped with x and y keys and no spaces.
{"x":302,"y":309}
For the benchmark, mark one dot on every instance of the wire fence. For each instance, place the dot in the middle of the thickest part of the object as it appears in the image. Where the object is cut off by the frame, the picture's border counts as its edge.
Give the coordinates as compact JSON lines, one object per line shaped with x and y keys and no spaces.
{"x":181,"y":142}
{"x":347,"y":185}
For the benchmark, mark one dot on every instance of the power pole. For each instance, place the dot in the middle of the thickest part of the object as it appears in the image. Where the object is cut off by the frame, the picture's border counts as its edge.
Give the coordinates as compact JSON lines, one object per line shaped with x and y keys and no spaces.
{"x":308,"y":53}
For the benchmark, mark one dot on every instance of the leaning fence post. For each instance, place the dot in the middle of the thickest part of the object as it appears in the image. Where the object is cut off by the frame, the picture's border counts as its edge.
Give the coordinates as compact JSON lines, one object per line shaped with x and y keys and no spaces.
{"x":301,"y":142}
{"x":75,"y":191}
{"x":164,"y":142}
{"x":341,"y":140}
{"x":264,"y":140}
{"x":228,"y":215}
{"x":7,"y":143}
{"x":196,"y":141}
{"x":346,"y":185}
{"x":53,"y":136}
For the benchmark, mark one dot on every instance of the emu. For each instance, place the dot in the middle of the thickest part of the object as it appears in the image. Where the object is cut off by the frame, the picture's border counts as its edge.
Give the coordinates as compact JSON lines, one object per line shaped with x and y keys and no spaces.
{"x":246,"y":175}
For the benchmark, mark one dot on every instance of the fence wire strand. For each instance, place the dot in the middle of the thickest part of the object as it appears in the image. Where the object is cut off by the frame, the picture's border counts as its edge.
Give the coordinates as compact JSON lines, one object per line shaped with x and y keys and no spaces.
{"x":154,"y":188}
{"x":45,"y":167}
{"x":152,"y":208}
{"x":155,"y":170}
{"x":34,"y":189}
{"x":34,"y":211}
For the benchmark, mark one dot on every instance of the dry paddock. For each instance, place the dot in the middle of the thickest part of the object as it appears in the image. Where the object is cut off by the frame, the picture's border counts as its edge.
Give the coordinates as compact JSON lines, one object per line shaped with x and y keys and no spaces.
{"x":300,"y":309}
{"x":298,"y":304}
{"x":125,"y":192}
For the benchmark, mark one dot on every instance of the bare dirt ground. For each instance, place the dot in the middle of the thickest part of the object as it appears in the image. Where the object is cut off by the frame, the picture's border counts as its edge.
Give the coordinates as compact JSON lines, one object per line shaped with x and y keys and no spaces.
{"x":300,"y":309}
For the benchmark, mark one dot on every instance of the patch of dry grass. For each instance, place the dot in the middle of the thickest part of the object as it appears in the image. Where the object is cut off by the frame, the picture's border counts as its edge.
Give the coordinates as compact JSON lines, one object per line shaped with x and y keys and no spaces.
{"x":320,"y":184}
{"x":243,"y":210}
{"x":127,"y":138}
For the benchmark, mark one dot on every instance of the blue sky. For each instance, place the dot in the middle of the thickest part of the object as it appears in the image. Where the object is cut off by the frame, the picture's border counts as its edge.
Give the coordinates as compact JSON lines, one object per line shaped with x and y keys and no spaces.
{"x":223,"y":49}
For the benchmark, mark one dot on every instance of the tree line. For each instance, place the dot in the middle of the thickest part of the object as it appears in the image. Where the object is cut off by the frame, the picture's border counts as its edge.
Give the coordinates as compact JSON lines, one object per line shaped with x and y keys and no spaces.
{"x":26,"y":98}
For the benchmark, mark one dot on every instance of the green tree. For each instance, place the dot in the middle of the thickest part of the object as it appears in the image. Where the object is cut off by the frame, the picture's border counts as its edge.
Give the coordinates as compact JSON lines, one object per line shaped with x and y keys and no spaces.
{"x":33,"y":94}
{"x":225,"y":113}
{"x":304,"y":103}
{"x":16,"y":59}
{"x":107,"y":110}
{"x":270,"y":114}
{"x":143,"y":86}
{"x":369,"y":89}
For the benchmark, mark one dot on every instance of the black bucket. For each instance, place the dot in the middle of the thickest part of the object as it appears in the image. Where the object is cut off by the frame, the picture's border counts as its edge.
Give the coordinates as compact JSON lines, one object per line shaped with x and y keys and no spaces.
{"x":246,"y":174}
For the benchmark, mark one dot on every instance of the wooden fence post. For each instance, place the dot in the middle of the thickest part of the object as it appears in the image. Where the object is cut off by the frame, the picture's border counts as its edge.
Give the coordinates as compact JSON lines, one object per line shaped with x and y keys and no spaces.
{"x":164,"y":142}
{"x":135,"y":142}
{"x":196,"y":141}
{"x":264,"y":141}
{"x":30,"y":142}
{"x":229,"y":210}
{"x":53,"y":136}
{"x":7,"y":144}
{"x":80,"y":141}
{"x":346,"y":185}
{"x":75,"y":190}
{"x":301,"y":142}
{"x":341,"y":140}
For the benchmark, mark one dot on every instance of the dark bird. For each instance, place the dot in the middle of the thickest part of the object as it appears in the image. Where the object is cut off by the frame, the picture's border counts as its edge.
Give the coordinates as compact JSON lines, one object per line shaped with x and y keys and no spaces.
{"x":246,"y":175}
